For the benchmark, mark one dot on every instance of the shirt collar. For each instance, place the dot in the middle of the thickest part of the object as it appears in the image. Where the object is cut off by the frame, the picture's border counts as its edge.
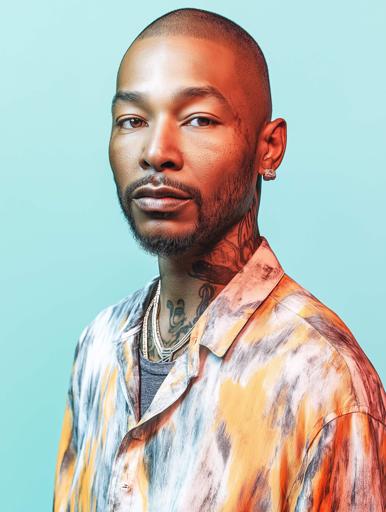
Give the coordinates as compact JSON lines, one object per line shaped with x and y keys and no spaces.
{"x":227,"y":314}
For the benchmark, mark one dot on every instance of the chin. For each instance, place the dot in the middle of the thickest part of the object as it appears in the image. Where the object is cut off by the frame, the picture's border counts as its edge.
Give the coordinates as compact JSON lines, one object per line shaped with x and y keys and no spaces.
{"x":164,"y":242}
{"x":166,"y":247}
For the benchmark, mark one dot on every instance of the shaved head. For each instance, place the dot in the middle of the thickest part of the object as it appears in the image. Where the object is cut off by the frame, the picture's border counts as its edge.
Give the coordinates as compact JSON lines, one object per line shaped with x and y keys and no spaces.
{"x":202,"y":24}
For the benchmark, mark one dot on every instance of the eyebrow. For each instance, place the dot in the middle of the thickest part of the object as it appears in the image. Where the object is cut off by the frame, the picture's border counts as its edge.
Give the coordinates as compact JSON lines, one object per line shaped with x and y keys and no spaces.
{"x":184,"y":93}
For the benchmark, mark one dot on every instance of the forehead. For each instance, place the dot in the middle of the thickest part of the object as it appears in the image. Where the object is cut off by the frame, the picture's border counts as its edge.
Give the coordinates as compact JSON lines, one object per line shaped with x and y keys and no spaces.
{"x":176,"y":61}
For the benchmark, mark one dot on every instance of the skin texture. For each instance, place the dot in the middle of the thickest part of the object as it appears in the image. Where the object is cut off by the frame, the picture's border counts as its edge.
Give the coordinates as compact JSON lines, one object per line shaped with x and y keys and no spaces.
{"x":212,"y":150}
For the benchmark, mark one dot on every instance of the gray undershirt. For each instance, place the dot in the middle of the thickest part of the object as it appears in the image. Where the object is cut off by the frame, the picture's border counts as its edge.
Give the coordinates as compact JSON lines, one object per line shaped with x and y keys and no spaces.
{"x":152,"y":375}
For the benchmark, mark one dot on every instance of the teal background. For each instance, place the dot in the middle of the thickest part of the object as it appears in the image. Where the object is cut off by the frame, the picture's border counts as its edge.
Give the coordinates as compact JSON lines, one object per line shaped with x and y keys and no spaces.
{"x":66,"y":250}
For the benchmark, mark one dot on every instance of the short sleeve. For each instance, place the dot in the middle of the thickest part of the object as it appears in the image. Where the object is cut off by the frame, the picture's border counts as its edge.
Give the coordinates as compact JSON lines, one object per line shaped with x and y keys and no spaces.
{"x":344,"y":469}
{"x":67,"y":451}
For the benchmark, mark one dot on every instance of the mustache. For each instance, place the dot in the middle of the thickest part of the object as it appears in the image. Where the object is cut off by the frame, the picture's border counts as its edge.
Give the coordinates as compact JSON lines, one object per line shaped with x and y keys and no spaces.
{"x":158,"y":180}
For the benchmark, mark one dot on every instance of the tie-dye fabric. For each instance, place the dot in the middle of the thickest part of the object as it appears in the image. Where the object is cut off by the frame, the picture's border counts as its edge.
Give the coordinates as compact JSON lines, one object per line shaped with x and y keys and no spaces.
{"x":274,"y":407}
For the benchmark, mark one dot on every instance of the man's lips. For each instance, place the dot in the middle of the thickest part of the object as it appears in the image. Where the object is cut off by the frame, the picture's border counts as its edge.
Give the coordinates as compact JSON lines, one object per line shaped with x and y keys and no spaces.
{"x":160,"y":192}
{"x":161,"y":199}
{"x":161,"y":204}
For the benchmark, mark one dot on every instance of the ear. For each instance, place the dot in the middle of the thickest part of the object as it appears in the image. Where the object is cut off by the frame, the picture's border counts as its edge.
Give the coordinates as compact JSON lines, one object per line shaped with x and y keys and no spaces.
{"x":271,"y":145}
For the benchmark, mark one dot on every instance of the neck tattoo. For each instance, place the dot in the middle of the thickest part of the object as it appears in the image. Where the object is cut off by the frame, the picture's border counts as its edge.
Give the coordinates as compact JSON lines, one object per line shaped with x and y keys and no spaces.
{"x":179,"y":326}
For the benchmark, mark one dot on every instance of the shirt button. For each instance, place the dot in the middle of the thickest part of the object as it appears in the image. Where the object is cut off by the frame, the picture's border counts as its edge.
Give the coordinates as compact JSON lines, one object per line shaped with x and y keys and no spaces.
{"x":127,"y":488}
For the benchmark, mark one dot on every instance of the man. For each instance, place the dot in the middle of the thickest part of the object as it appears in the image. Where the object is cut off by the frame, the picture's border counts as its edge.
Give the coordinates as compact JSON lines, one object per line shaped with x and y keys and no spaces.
{"x":222,"y":385}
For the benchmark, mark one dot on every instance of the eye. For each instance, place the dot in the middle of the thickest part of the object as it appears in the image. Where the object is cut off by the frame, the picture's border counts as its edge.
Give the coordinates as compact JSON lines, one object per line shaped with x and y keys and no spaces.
{"x":130,"y":122}
{"x":202,"y":121}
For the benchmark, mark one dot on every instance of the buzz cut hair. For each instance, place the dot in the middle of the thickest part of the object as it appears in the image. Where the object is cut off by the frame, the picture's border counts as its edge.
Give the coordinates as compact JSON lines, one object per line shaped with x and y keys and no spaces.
{"x":203,"y":24}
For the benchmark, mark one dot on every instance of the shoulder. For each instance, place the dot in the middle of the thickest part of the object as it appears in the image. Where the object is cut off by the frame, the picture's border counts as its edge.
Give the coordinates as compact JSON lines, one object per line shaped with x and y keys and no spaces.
{"x":102,"y":332}
{"x":336,"y":364}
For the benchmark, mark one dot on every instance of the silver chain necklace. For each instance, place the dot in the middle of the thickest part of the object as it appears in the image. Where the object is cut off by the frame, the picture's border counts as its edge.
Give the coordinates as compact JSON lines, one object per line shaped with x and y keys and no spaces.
{"x":165,"y":353}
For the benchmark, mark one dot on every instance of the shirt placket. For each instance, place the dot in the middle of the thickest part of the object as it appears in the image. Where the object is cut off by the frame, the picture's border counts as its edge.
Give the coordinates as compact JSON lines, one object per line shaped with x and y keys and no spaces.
{"x":123,"y":484}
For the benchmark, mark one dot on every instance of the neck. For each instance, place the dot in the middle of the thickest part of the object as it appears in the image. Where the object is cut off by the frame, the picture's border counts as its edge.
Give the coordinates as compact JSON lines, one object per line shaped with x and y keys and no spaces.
{"x":190,"y":283}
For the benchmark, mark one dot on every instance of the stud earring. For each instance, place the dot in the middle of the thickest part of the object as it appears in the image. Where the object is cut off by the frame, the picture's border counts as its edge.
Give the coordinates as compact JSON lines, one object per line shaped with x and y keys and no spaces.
{"x":269,"y":174}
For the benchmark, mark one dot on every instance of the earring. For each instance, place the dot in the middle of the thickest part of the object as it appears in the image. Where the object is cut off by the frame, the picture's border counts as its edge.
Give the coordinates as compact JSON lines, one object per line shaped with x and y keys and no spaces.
{"x":269,"y":174}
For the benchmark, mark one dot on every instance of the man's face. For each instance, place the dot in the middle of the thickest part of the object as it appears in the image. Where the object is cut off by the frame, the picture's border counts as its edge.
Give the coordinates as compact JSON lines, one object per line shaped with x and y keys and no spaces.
{"x":175,"y":132}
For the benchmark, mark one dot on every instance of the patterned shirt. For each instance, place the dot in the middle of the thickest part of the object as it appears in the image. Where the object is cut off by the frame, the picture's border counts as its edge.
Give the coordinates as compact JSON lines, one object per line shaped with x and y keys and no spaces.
{"x":273,"y":407}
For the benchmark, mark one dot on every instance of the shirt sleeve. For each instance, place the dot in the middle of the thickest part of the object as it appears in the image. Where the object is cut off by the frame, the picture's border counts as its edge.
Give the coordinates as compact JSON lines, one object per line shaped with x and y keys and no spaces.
{"x":344,"y":469}
{"x":67,"y":451}
{"x":66,"y":460}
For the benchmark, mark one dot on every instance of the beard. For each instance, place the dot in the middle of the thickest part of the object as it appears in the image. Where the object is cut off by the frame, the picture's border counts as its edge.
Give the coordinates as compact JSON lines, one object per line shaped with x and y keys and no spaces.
{"x":226,"y":206}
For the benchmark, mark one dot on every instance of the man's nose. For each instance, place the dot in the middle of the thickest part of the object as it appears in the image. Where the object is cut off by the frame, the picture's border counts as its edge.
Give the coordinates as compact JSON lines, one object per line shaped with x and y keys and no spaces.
{"x":161,"y":150}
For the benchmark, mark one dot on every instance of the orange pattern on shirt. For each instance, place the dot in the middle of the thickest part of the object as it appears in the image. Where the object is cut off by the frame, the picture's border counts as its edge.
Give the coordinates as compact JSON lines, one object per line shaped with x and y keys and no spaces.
{"x":273,"y":407}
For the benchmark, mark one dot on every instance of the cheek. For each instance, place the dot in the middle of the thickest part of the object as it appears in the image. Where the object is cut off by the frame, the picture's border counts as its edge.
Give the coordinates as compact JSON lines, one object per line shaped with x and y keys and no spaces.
{"x":220,"y":167}
{"x":122,"y":160}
